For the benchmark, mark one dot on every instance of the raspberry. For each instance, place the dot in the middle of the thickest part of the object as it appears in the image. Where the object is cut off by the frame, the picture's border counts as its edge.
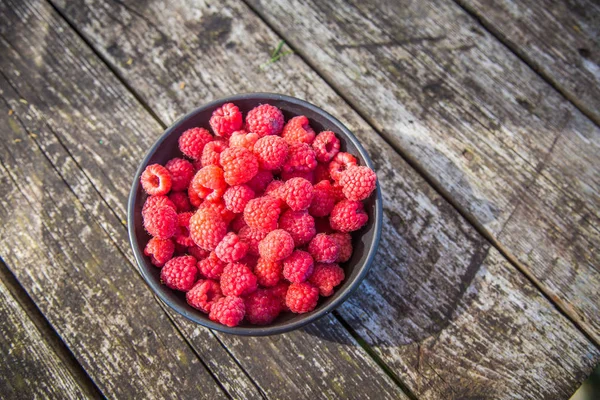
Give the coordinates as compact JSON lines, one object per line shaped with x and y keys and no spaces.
{"x":322,"y":172}
{"x":195,"y":199}
{"x":338,"y":191}
{"x":239,"y":164}
{"x":180,"y":273}
{"x":181,"y":201}
{"x":323,"y":200}
{"x":280,"y":291}
{"x":297,"y":193}
{"x":249,"y":261}
{"x":209,"y":183}
{"x":226,"y":119}
{"x":219,"y":207}
{"x":273,"y":189}
{"x":322,"y":225}
{"x":238,"y":223}
{"x":236,"y":198}
{"x":237,"y":280}
{"x":358,"y":182}
{"x":231,"y":248}
{"x":260,"y":180}
{"x":277,"y":245}
{"x":326,"y":277}
{"x":326,"y":146}
{"x":182,"y":235}
{"x":252,"y":237}
{"x":212,"y":152}
{"x":340,"y":163}
{"x":301,"y":297}
{"x":271,"y":152}
{"x":348,"y":216}
{"x":268,"y":273}
{"x":181,"y":250}
{"x":207,"y":228}
{"x":301,"y":157}
{"x":198,"y":253}
{"x":262,"y":307}
{"x":265,"y":120}
{"x":161,"y":221}
{"x":298,"y":266}
{"x":262,"y":213}
{"x":298,"y":129}
{"x":243,"y":139}
{"x":211,"y":267}
{"x":182,"y":171}
{"x":344,"y":240}
{"x":193,"y":141}
{"x":287,"y":175}
{"x":299,"y":224}
{"x":159,"y":250}
{"x":228,"y":311}
{"x":156,"y":201}
{"x":203,"y":295}
{"x":156,"y":180}
{"x":323,"y":248}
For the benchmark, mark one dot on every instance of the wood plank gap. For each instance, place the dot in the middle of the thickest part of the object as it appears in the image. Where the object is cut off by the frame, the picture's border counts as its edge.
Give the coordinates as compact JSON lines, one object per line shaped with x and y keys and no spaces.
{"x":559,"y":304}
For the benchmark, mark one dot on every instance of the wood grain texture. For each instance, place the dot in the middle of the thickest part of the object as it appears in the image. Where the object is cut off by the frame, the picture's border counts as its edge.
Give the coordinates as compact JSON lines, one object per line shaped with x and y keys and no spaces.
{"x":92,"y":133}
{"x":433,"y":276}
{"x":501,"y":142}
{"x":559,"y":39}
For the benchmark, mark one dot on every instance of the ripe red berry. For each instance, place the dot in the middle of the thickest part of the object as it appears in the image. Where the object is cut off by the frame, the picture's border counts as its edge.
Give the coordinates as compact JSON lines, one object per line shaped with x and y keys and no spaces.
{"x":198,"y":253}
{"x":182,"y":235}
{"x":287,"y":175}
{"x":243,"y":139}
{"x":237,"y":280}
{"x":298,"y":266}
{"x":226,"y":119}
{"x":194,"y":197}
{"x":264,"y":120}
{"x":301,"y":157}
{"x":277,"y":245}
{"x":252,"y":236}
{"x":358,"y":182}
{"x":297,"y":130}
{"x":340,"y":163}
{"x":236,"y":198}
{"x":207,"y":228}
{"x":182,"y":171}
{"x":262,"y":213}
{"x":211,"y":154}
{"x":239,"y":164}
{"x":181,"y":201}
{"x":326,"y":277}
{"x":297,"y":193}
{"x":160,"y":221}
{"x":323,"y":248}
{"x":301,"y":297}
{"x":159,"y":250}
{"x":262,"y":307}
{"x":219,"y":207}
{"x":271,"y":152}
{"x":231,"y":248}
{"x":211,"y":267}
{"x":155,"y":201}
{"x":280,"y":291}
{"x":192,"y":142}
{"x":326,"y":146}
{"x":344,"y":240}
{"x":323,"y":200}
{"x":299,"y":224}
{"x":156,"y":180}
{"x":204,"y":295}
{"x":273,"y":189}
{"x":321,"y":172}
{"x":268,"y":273}
{"x":228,"y":311}
{"x":209,"y":183}
{"x":348,"y":216}
{"x":180,"y":273}
{"x":238,"y":223}
{"x":260,"y":181}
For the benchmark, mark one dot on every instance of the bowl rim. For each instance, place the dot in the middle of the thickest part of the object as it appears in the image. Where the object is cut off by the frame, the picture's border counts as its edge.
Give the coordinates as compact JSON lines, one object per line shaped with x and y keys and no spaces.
{"x":258,"y":330}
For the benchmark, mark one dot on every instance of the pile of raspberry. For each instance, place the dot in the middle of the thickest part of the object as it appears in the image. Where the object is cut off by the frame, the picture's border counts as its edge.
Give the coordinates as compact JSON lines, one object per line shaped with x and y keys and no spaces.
{"x":255,"y":218}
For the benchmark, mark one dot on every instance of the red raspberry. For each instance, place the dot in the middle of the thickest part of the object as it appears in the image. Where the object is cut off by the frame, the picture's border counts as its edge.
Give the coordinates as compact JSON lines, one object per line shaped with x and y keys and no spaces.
{"x":198,"y":253}
{"x":265,"y":120}
{"x":260,"y":180}
{"x":358,"y":182}
{"x":156,"y":180}
{"x":323,"y":248}
{"x":228,"y":311}
{"x":298,"y":266}
{"x":323,"y":200}
{"x":181,"y":201}
{"x":182,"y":235}
{"x":280,"y":291}
{"x":243,"y":139}
{"x":207,"y":228}
{"x":195,"y":199}
{"x":156,"y":201}
{"x":301,"y":157}
{"x":262,"y":307}
{"x":249,"y":261}
{"x":299,"y":224}
{"x":271,"y":152}
{"x":193,"y":141}
{"x":226,"y":119}
{"x":181,"y":250}
{"x":159,"y":250}
{"x":348,"y":216}
{"x":326,"y":146}
{"x":268,"y":273}
{"x":277,"y":245}
{"x":322,"y":225}
{"x":231,"y":248}
{"x":211,"y":154}
{"x":237,"y":280}
{"x":344,"y":240}
{"x":219,"y":207}
{"x":322,"y":172}
{"x":326,"y":277}
{"x":211,"y":267}
{"x":301,"y":297}
{"x":161,"y":221}
{"x":236,"y":198}
{"x":298,"y":129}
{"x":340,"y":163}
{"x":287,"y":175}
{"x":252,"y":236}
{"x":337,"y":191}
{"x":180,"y":273}
{"x":239,"y":164}
{"x":297,"y":193}
{"x":262,"y":213}
{"x":209,"y":183}
{"x":182,"y":171}
{"x":204,"y":294}
{"x":273,"y":189}
{"x":238,"y":223}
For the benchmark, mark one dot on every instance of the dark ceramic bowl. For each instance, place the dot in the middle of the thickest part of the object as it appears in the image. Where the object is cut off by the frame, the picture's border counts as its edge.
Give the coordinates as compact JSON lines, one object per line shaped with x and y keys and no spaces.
{"x":365,"y":241}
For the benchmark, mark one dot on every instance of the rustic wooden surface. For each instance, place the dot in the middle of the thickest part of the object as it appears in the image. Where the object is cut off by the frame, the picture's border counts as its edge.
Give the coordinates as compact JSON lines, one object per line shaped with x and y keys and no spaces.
{"x":446,"y":315}
{"x":516,"y":157}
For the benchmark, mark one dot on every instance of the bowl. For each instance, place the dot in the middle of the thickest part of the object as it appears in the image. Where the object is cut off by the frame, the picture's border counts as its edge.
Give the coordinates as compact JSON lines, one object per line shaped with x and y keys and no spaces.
{"x":365,"y":241}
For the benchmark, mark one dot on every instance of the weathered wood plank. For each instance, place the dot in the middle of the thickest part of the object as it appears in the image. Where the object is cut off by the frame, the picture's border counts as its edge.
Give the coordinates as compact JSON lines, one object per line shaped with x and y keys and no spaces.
{"x":474,"y":119}
{"x":415,"y":294}
{"x":559,"y":39}
{"x":88,"y":122}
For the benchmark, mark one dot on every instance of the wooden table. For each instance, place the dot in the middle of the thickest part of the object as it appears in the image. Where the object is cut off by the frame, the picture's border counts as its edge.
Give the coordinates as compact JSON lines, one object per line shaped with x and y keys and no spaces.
{"x":482,"y":117}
